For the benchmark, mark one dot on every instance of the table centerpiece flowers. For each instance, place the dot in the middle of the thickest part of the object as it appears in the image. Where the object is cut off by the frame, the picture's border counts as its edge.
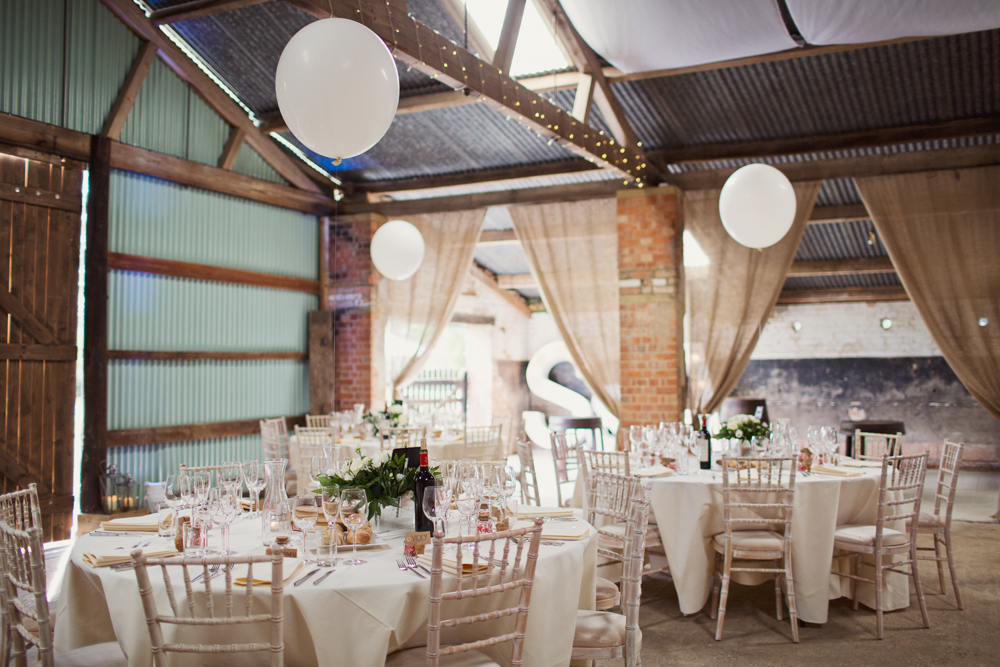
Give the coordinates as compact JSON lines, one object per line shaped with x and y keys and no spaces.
{"x":743,"y":428}
{"x":384,"y":477}
{"x":392,"y":417}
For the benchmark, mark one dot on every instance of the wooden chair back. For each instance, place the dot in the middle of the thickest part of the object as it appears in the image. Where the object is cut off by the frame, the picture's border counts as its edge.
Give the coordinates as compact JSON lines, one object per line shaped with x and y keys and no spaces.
{"x":184,"y":469}
{"x":873,"y":446}
{"x":758,"y":494}
{"x":20,"y":509}
{"x":318,"y":421}
{"x":309,"y":442}
{"x":482,"y":443}
{"x":401,"y":438}
{"x":607,"y":494}
{"x":200,"y":609}
{"x":900,"y":488}
{"x":23,"y":568}
{"x":503,"y":573}
{"x":274,"y":435}
{"x":527,"y":475}
{"x":944,"y":494}
{"x":564,"y":460}
{"x":633,"y":558}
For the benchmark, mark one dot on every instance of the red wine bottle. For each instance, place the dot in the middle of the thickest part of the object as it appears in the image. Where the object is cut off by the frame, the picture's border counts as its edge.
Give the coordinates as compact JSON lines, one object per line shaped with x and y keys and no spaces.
{"x":704,"y":443}
{"x":423,"y":481}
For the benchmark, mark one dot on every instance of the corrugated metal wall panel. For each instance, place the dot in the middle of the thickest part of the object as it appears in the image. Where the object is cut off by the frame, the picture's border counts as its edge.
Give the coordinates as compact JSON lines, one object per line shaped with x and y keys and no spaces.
{"x":144,"y":394}
{"x":148,"y":312}
{"x":31,"y":59}
{"x":207,"y":132}
{"x":99,"y":53}
{"x":155,"y":218}
{"x":249,"y":162}
{"x":152,"y":463}
{"x":159,"y":119}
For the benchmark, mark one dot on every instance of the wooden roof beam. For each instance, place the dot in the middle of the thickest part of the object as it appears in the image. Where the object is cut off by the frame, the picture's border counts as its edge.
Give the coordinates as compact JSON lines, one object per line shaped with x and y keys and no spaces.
{"x":841,"y":267}
{"x":842,"y":295}
{"x":487,"y":280}
{"x":508,"y":34}
{"x":477,"y":40}
{"x":824,"y":215}
{"x":115,"y":121}
{"x":423,"y":49}
{"x":197,"y":9}
{"x":290,"y":168}
{"x":425,"y":183}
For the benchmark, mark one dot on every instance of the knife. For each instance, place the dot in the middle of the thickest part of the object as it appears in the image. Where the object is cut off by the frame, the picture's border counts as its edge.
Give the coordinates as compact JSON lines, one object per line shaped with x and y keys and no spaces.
{"x":303,"y":579}
{"x":320,"y":580}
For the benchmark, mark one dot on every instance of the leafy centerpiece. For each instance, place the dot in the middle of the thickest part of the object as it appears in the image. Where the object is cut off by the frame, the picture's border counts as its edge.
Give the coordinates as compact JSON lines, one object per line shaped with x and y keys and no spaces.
{"x":391,"y":417}
{"x":384,"y":477}
{"x":743,"y":427}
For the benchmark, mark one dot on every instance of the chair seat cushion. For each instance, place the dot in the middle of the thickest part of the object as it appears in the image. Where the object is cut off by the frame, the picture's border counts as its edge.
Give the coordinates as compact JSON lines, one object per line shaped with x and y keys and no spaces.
{"x":607,"y":590}
{"x":751,"y":540}
{"x":612,"y":535}
{"x":864,"y":536}
{"x":417,"y":657}
{"x":599,"y":629}
{"x":930,"y":520}
{"x":96,"y":655}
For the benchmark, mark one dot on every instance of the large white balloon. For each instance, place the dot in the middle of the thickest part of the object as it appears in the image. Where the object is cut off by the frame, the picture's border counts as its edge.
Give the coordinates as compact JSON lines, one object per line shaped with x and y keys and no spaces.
{"x":337,"y":87}
{"x":757,"y":205}
{"x":397,"y":249}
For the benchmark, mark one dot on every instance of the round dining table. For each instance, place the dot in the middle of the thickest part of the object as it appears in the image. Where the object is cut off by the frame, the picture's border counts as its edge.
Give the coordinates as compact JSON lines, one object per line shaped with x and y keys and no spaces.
{"x":354,"y":617}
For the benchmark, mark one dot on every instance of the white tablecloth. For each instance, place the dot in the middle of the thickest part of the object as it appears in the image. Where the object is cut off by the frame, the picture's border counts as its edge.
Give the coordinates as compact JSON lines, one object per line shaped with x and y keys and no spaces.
{"x":353,"y":618}
{"x":688,"y":510}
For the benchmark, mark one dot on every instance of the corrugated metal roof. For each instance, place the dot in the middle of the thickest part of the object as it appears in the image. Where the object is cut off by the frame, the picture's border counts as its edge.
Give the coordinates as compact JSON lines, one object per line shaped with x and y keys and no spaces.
{"x":503,"y":259}
{"x":838,"y":192}
{"x":592,"y":176}
{"x":840,"y":240}
{"x":835,"y":282}
{"x":925,"y":81}
{"x":497,"y":218}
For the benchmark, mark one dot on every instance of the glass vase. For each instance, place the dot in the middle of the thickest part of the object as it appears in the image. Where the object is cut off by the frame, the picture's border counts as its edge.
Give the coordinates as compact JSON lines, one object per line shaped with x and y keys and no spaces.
{"x":276,"y":516}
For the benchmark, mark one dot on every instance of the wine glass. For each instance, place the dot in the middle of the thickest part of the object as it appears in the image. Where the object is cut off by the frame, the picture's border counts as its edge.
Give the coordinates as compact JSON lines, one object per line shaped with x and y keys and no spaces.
{"x":231,"y":475}
{"x":331,"y":512}
{"x":223,"y":506}
{"x":255,"y":476}
{"x":437,"y":502}
{"x":172,"y":492}
{"x":202,"y":483}
{"x":467,"y":500}
{"x":186,"y":483}
{"x":759,"y":444}
{"x":354,"y":513}
{"x":305,"y":512}
{"x":505,"y":482}
{"x":318,"y":465}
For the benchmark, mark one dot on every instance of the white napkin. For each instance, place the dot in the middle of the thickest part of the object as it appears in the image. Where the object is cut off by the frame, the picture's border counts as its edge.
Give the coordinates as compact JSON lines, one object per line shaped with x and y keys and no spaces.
{"x":835,"y":471}
{"x":560,"y":530}
{"x":528,"y":512}
{"x":855,"y":463}
{"x":105,"y":556}
{"x":450,"y":565}
{"x":654,"y":471}
{"x":262,"y":572}
{"x":146,"y":523}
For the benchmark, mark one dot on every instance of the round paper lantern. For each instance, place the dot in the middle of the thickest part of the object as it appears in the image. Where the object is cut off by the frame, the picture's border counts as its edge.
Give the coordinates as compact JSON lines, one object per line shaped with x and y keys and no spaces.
{"x":397,"y":249}
{"x":337,"y":87}
{"x":757,"y":206}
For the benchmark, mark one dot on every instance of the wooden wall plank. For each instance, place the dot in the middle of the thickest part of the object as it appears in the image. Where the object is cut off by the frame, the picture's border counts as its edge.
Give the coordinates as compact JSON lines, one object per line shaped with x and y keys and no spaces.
{"x":183,"y":432}
{"x":40,"y":197}
{"x":164,"y":355}
{"x":168,"y":267}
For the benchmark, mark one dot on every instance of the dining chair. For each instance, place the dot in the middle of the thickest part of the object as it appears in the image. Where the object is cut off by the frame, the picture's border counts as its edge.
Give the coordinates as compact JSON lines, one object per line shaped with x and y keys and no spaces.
{"x":501,"y":574}
{"x":25,"y":605}
{"x":602,"y":461}
{"x":527,"y":476}
{"x":565,"y":461}
{"x":757,"y":497}
{"x":199,"y":609}
{"x":20,"y":510}
{"x":873,"y":446}
{"x":505,"y":424}
{"x":603,"y":635}
{"x":900,"y":484}
{"x":318,"y":421}
{"x":482,"y":443}
{"x":938,"y":523}
{"x":401,"y":438}
{"x":309,"y":442}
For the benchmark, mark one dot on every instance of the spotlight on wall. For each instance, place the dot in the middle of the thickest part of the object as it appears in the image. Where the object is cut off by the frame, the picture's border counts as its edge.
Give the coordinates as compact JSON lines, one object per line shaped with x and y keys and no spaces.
{"x":983,"y":321}
{"x":886,"y":323}
{"x":797,"y":326}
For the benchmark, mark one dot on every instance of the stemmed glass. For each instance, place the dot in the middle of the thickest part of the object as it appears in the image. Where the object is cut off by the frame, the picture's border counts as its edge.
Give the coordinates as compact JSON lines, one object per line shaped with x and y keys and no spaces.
{"x":318,"y":465}
{"x":231,"y":475}
{"x":305,"y":512}
{"x":354,"y":513}
{"x":467,"y":500}
{"x":635,"y":437}
{"x":172,"y":492}
{"x":202,"y":483}
{"x":255,"y":477}
{"x":759,"y":444}
{"x":436,"y":506}
{"x":186,"y":483}
{"x":505,"y":484}
{"x":331,"y":511}
{"x":223,"y":506}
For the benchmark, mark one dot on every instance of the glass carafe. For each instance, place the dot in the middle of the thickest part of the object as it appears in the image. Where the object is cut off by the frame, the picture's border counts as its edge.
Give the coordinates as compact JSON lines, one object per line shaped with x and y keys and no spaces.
{"x":276,"y":516}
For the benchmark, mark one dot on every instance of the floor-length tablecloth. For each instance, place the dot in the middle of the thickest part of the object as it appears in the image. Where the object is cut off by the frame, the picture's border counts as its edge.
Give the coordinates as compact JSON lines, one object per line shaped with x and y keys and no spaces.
{"x":353,"y":618}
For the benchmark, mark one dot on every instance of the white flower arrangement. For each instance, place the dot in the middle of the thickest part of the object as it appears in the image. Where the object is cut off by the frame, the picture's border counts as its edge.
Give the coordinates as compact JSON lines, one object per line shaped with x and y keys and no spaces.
{"x":743,"y":427}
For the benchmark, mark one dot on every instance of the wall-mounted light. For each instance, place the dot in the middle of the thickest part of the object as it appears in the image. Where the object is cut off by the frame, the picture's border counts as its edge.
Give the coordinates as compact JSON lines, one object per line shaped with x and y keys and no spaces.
{"x":886,"y":323}
{"x":797,"y":326}
{"x":983,"y":321}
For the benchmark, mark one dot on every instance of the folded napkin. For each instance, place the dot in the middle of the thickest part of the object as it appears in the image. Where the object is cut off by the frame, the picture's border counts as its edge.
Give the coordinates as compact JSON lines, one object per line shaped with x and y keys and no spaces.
{"x":525,"y":512}
{"x":262,"y":572}
{"x":855,"y":463}
{"x":835,"y":471}
{"x":306,"y":510}
{"x":654,"y":471}
{"x":247,"y":504}
{"x":560,"y":530}
{"x":103,"y":557}
{"x":450,"y":565}
{"x":147,"y":523}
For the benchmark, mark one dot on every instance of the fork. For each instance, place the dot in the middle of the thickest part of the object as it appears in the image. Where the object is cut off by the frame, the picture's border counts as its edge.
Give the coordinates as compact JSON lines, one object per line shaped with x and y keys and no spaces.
{"x":212,"y":570}
{"x":412,"y":563}
{"x":404,"y":568}
{"x":134,"y":546}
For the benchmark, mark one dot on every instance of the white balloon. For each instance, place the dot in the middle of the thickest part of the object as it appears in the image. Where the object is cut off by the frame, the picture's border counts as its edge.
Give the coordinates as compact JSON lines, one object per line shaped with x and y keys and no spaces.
{"x":337,"y":87}
{"x":757,"y":205}
{"x":397,"y":249}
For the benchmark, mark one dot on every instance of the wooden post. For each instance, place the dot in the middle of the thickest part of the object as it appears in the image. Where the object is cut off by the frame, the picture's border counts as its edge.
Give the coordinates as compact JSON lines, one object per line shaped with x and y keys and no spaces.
{"x":321,"y":370}
{"x":95,"y":326}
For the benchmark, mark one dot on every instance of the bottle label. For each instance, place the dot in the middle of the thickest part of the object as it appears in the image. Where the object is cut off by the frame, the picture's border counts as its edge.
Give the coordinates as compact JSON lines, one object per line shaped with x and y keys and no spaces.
{"x":423,"y":458}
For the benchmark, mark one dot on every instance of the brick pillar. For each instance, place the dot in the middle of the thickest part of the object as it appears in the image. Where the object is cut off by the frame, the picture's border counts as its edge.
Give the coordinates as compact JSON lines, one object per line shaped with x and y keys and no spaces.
{"x":359,"y":324}
{"x":651,"y":275}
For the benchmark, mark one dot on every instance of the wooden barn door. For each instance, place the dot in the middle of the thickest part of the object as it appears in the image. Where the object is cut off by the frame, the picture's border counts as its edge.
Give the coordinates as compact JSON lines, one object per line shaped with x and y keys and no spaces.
{"x":40,"y":203}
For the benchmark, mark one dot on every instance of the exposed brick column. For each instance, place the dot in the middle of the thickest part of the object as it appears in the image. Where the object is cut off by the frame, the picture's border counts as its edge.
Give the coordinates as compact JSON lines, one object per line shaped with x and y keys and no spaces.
{"x":359,"y":323}
{"x":651,"y":275}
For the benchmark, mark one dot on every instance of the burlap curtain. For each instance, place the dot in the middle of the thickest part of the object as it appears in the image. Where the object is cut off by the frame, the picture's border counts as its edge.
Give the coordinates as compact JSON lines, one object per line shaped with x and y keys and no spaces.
{"x":942,"y":231}
{"x":572,"y":249}
{"x":420,"y":307}
{"x":729,"y":300}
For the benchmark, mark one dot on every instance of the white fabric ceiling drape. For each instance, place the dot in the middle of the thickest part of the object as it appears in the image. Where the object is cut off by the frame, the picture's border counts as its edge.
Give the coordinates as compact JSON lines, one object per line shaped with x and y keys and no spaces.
{"x":420,"y":307}
{"x":572,"y":249}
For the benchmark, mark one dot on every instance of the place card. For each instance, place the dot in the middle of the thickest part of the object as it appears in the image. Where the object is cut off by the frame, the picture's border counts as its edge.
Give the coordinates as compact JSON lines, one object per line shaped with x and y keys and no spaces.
{"x":415,"y":542}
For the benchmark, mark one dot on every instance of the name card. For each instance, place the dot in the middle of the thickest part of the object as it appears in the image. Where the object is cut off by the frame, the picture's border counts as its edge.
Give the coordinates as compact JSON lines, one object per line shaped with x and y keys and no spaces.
{"x":415,"y":542}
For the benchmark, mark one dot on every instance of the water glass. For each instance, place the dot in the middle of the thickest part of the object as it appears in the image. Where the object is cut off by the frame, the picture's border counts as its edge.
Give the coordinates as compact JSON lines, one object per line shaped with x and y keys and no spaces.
{"x":166,"y":519}
{"x":354,"y":513}
{"x":327,"y":557}
{"x":305,"y":512}
{"x":194,"y":539}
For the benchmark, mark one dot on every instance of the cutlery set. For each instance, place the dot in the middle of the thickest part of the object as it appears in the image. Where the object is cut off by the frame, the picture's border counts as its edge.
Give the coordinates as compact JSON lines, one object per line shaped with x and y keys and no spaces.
{"x":409,"y":563}
{"x":303,"y":579}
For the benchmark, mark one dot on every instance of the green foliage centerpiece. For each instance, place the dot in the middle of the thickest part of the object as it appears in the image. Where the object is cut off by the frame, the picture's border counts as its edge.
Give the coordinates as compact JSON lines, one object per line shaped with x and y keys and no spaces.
{"x":384,"y":477}
{"x":743,"y":427}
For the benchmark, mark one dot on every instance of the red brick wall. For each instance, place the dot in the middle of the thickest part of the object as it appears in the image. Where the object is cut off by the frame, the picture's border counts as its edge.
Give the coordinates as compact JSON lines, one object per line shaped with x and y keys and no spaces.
{"x":353,"y":295}
{"x":650,"y":271}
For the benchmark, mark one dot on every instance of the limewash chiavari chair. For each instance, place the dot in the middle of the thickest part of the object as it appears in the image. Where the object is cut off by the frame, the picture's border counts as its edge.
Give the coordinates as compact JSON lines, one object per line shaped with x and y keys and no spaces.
{"x":23,"y":570}
{"x":318,"y":421}
{"x":501,"y":565}
{"x":756,"y":496}
{"x":274,"y":435}
{"x":602,"y":635}
{"x":565,"y":460}
{"x":20,"y":510}
{"x":482,"y":443}
{"x":602,"y":461}
{"x":527,"y":476}
{"x":309,"y":442}
{"x":401,"y":438}
{"x":188,"y":615}
{"x":938,"y":524}
{"x":901,"y":484}
{"x":876,"y":445}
